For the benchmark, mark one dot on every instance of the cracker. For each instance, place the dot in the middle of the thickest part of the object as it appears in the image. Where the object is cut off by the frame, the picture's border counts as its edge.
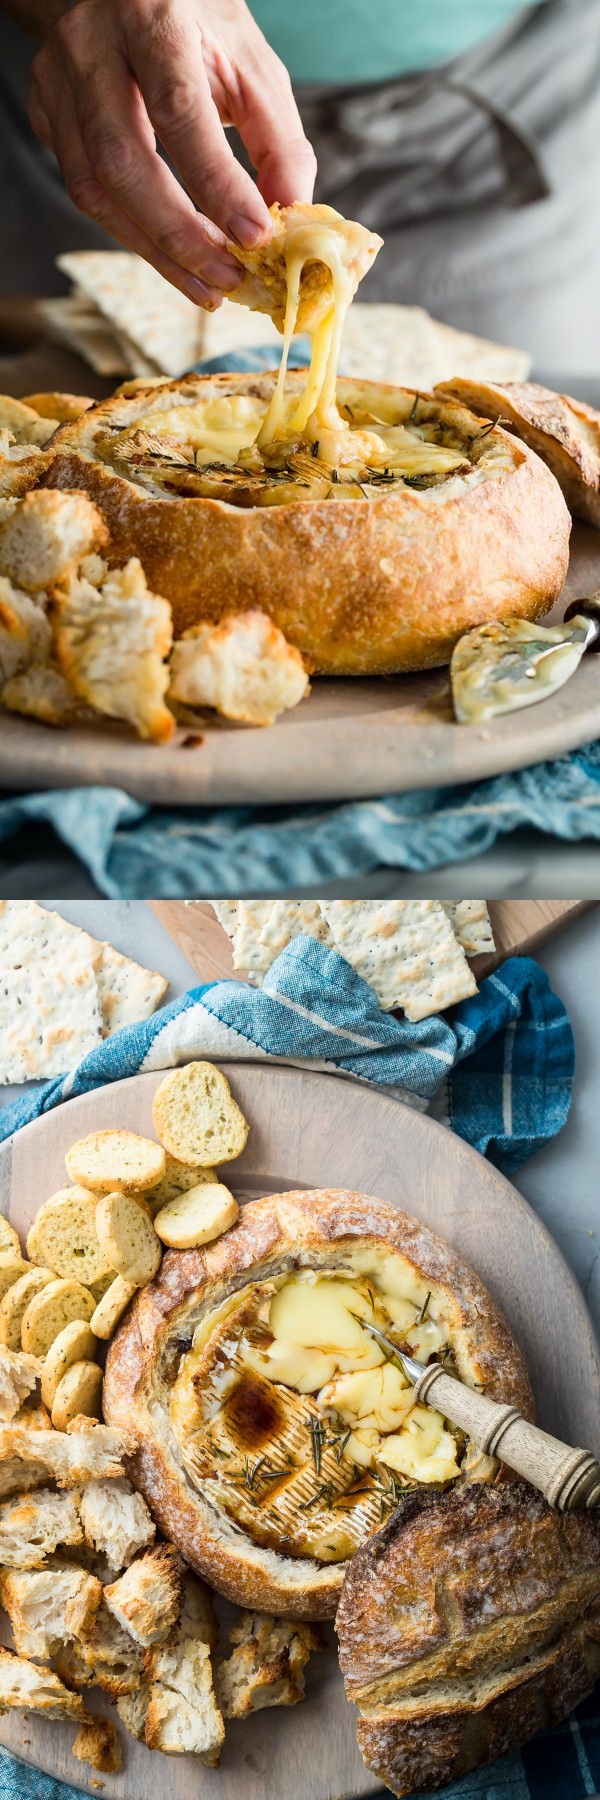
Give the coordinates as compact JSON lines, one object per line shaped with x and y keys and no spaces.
{"x":160,"y":322}
{"x":12,"y":1266}
{"x":128,"y":1237}
{"x":63,"y":1235}
{"x":405,"y":949}
{"x":196,"y":1116}
{"x":248,"y":952}
{"x":127,"y":991}
{"x":79,"y":1391}
{"x":15,"y":1302}
{"x":111,"y":1307}
{"x":289,"y":919}
{"x":9,"y":1238}
{"x":75,"y":1343}
{"x":197,"y":1217}
{"x":105,"y":1160}
{"x":49,"y":1008}
{"x":50,"y":1311}
{"x":177,"y":1178}
{"x":471,"y":924}
{"x":227,"y":912}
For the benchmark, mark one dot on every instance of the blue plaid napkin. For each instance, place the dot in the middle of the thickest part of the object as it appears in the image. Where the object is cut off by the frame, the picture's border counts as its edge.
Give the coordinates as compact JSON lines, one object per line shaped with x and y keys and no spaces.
{"x":498,"y":1068}
{"x":132,"y":850}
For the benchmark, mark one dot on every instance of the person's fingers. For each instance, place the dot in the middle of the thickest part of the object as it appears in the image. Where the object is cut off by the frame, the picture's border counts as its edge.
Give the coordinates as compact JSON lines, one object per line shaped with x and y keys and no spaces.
{"x":88,"y":194}
{"x":269,"y":124}
{"x":167,"y":59}
{"x":38,"y":117}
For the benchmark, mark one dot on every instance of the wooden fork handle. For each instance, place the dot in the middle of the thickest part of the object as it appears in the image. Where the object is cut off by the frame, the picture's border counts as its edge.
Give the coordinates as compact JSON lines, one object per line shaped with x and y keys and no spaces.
{"x":568,"y":1478}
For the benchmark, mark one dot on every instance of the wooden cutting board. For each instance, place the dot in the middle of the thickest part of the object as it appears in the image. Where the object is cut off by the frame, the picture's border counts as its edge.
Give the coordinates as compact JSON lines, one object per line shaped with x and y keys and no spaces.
{"x":520,"y":926}
{"x":314,"y":1130}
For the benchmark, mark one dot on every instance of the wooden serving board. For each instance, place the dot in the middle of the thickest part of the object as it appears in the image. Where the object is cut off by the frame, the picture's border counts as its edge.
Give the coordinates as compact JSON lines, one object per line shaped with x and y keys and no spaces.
{"x":348,"y":740}
{"x":313,"y":1130}
{"x":519,"y":926}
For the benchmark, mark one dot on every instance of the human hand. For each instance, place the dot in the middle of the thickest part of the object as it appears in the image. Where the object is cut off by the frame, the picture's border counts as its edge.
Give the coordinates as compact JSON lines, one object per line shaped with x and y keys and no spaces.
{"x":115,"y":76}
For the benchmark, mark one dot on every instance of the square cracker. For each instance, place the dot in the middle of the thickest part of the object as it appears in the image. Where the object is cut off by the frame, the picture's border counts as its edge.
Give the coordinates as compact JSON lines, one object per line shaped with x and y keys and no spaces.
{"x":141,"y":306}
{"x":291,"y":919}
{"x":471,"y":924}
{"x":227,"y":912}
{"x":405,"y":949}
{"x":248,"y":952}
{"x":50,"y":1013}
{"x":127,"y":991}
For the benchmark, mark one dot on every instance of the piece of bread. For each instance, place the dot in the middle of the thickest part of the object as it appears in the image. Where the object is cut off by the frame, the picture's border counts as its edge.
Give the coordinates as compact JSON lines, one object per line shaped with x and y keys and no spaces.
{"x":197,"y":1615}
{"x":244,"y":668}
{"x":110,"y":1655}
{"x":18,"y":1376}
{"x":455,"y":545}
{"x":58,"y":406}
{"x":47,"y":535}
{"x":132,"y":1710}
{"x":29,"y":1459}
{"x":196,"y":1117}
{"x":177,"y":1179}
{"x":211,"y":1401}
{"x":197,"y":1217}
{"x":79,"y":1391}
{"x":128,"y":1237}
{"x":15,"y":1302}
{"x":24,"y":421}
{"x":266,"y":1667}
{"x":182,"y":1716}
{"x":30,"y":1688}
{"x":563,"y":431}
{"x":106,"y":1160}
{"x":33,"y":1526}
{"x":112,"y":1306}
{"x":63,"y":1236}
{"x":146,"y":1600}
{"x":314,"y":233}
{"x":111,"y":642}
{"x":75,"y":1342}
{"x":116,"y":1521}
{"x":471,"y":1621}
{"x":98,"y":1743}
{"x":12,"y":1266}
{"x":54,"y":1307}
{"x":33,"y":1416}
{"x":9,"y":1238}
{"x":40,"y":692}
{"x":48,"y":1606}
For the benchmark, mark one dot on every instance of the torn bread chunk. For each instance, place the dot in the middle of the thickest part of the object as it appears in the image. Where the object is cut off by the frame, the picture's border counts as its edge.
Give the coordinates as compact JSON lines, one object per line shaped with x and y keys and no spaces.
{"x":33,"y":1526}
{"x":46,"y":1607}
{"x":24,"y":422}
{"x":59,"y":406}
{"x":311,"y":234}
{"x":110,"y":644}
{"x":110,"y":1656}
{"x":97,"y":1743}
{"x":405,"y":949}
{"x":28,"y":1687}
{"x":29,"y":1459}
{"x":244,"y":668}
{"x":41,"y":692}
{"x":19,"y":1373}
{"x":183,"y":1717}
{"x":266,"y":1667}
{"x":47,"y":535}
{"x":132,"y":1710}
{"x":25,"y":634}
{"x":116,"y":1521}
{"x":146,"y":1600}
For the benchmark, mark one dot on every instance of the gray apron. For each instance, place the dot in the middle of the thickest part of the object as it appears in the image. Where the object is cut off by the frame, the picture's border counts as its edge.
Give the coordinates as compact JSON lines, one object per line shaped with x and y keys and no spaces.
{"x":482,"y":175}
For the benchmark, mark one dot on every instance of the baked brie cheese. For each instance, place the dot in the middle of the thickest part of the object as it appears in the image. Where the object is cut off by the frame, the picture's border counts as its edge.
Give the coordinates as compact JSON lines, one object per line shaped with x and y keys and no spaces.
{"x":273,"y":1435}
{"x":372,"y":544}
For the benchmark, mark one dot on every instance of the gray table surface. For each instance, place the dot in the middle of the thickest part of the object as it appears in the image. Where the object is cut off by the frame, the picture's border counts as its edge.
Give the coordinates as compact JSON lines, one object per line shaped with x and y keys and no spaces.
{"x":560,"y":1182}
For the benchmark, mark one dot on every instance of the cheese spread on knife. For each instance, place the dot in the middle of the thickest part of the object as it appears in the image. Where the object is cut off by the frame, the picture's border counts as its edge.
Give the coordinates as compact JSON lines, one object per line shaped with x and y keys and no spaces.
{"x":292,"y":1420}
{"x":307,"y":440}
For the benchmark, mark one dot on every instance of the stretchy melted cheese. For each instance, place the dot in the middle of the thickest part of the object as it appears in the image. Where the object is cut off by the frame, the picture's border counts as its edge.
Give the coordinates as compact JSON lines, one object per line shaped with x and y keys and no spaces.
{"x":292,"y":1421}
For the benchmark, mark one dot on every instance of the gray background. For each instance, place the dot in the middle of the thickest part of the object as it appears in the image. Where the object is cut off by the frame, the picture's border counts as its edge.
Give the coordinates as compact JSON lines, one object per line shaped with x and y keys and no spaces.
{"x":562,"y":1182}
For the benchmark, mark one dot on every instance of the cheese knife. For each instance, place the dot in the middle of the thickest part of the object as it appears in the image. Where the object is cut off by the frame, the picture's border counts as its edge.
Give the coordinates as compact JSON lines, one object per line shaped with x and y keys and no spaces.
{"x":500,"y":668}
{"x":568,"y":1478}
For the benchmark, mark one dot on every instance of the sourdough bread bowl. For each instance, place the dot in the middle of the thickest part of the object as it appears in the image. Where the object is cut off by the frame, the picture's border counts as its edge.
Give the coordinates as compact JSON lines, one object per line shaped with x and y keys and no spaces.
{"x":371,"y":568}
{"x":244,"y":1373}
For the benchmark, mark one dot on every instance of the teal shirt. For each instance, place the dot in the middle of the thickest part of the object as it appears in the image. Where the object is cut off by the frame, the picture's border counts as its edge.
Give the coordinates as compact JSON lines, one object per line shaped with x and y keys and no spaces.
{"x":346,"y":42}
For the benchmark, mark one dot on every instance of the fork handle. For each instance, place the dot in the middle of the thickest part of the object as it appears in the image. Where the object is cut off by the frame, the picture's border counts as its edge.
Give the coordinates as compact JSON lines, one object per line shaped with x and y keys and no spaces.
{"x":568,"y":1478}
{"x":590,"y":609}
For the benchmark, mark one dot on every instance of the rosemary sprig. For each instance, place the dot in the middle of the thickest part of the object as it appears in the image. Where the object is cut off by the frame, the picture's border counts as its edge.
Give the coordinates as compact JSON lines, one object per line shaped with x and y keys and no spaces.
{"x":318,"y":1439}
{"x":325,"y":1490}
{"x":423,"y":1311}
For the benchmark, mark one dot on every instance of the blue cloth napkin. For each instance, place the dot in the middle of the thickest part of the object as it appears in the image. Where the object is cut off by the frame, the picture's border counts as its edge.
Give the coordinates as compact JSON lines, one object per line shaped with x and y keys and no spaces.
{"x":134,"y":850}
{"x":498,"y":1067}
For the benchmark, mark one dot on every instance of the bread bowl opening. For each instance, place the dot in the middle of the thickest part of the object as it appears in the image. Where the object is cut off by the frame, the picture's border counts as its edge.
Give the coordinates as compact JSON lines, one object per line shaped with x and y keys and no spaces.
{"x":202,"y":438}
{"x":294,"y":1423}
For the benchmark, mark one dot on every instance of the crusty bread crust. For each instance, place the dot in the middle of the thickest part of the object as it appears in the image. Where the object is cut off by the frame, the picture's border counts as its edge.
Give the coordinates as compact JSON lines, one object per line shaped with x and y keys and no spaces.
{"x":283,"y":1231}
{"x":370,"y":587}
{"x":563,"y":431}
